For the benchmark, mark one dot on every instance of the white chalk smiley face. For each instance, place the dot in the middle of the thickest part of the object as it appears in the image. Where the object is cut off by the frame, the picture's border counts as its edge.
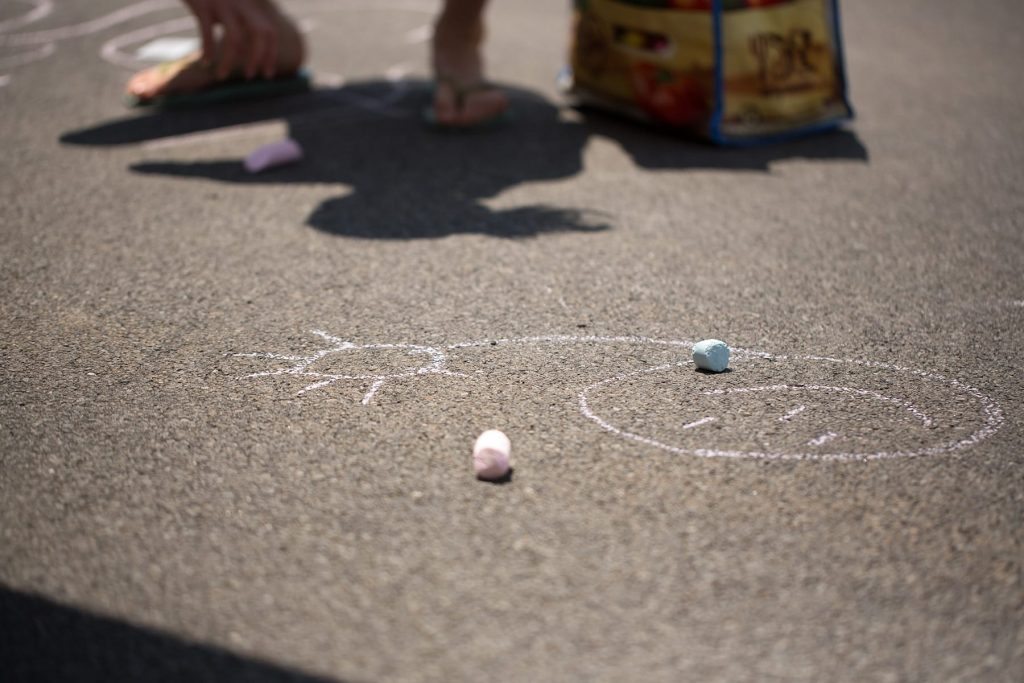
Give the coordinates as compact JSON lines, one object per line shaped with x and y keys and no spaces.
{"x":793,"y":408}
{"x":766,"y":407}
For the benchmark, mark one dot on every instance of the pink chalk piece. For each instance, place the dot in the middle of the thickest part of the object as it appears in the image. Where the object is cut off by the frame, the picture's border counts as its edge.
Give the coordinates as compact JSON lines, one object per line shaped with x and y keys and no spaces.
{"x":273,"y":155}
{"x":492,"y":454}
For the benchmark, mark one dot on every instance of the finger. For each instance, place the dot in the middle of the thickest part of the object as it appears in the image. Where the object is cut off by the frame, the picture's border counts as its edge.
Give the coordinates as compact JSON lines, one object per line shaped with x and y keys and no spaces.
{"x":209,"y":50}
{"x":252,"y":51}
{"x":260,"y":33}
{"x":231,"y":45}
{"x":270,"y":58}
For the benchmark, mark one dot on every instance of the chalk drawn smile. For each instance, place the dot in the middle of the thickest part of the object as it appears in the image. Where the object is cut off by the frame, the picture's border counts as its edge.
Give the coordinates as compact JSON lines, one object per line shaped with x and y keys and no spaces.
{"x":823,"y":409}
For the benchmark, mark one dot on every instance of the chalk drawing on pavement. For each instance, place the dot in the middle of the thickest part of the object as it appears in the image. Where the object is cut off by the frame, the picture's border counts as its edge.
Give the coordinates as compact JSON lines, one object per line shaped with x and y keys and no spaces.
{"x":306,"y":366}
{"x":945,"y":415}
{"x":33,"y":46}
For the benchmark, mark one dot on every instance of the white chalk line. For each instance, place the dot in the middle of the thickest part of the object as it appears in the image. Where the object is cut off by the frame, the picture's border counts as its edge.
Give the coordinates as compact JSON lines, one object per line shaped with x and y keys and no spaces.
{"x":823,"y":439}
{"x":301,"y":366}
{"x":586,"y":339}
{"x":88,"y":27}
{"x":328,"y":79}
{"x":420,"y":34}
{"x":47,"y":39}
{"x":332,"y":339}
{"x":436,"y":366}
{"x":112,"y":50}
{"x":41,"y":9}
{"x":374,"y":388}
{"x":793,"y":413}
{"x":698,"y":423}
{"x":27,"y":57}
{"x":383,"y":5}
{"x":397,"y":72}
{"x":993,"y":415}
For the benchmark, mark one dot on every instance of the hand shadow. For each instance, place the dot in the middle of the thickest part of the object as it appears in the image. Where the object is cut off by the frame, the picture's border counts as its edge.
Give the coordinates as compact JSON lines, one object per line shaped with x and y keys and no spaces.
{"x":410,"y":181}
{"x":407,"y":180}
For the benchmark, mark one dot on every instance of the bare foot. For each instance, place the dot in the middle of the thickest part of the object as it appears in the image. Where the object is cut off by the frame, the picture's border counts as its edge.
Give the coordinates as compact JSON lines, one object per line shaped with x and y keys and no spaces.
{"x":462,"y":96}
{"x":190,"y":74}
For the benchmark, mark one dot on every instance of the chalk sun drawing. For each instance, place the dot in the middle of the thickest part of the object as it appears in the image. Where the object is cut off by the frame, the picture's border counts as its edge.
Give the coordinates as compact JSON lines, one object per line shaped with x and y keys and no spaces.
{"x":958,"y":432}
{"x":303,"y":365}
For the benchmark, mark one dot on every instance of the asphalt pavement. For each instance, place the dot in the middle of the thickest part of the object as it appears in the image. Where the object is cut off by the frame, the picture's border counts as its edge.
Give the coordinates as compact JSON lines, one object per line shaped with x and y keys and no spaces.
{"x":236,"y":411}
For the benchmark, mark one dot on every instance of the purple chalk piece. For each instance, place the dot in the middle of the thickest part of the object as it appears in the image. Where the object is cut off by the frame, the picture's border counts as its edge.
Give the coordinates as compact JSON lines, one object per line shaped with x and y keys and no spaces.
{"x":273,"y":155}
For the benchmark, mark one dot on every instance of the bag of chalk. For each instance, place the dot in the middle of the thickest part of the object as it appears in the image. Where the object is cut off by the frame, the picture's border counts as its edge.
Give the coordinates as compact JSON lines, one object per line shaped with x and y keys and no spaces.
{"x":735,"y":72}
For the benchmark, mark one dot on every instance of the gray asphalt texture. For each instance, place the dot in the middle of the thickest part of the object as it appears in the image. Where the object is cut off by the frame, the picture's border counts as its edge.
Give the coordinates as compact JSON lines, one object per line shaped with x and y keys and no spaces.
{"x":166,"y":516}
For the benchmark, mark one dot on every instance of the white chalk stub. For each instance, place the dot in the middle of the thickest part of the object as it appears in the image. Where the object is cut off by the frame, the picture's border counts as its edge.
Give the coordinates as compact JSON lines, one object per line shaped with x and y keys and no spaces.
{"x":711,"y":354}
{"x":273,"y":155}
{"x":492,"y":455}
{"x":167,"y":49}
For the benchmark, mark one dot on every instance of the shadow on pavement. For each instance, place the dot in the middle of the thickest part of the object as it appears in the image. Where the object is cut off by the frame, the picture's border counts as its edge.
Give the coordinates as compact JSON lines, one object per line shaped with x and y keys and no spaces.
{"x":43,"y":641}
{"x":409,"y":181}
{"x":658,"y":150}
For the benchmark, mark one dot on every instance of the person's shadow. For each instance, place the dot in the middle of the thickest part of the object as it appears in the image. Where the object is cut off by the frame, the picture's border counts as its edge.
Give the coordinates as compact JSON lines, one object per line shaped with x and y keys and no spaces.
{"x":408,"y":180}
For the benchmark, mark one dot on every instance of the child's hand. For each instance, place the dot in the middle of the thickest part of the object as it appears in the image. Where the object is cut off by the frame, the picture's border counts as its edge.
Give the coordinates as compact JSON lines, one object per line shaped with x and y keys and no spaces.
{"x":249,"y":38}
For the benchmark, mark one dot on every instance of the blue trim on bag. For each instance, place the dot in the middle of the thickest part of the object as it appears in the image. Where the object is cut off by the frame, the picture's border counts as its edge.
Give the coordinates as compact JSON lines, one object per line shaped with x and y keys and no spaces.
{"x":715,"y":132}
{"x":786,"y":136}
{"x":837,"y":30}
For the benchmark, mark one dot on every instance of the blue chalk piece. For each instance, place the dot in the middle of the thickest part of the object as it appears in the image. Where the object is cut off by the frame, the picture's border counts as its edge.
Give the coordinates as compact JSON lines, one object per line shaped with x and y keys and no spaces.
{"x":711,"y":354}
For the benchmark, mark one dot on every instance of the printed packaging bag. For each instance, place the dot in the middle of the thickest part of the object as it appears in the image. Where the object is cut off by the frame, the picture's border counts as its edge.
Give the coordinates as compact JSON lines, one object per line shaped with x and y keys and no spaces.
{"x":733,"y":71}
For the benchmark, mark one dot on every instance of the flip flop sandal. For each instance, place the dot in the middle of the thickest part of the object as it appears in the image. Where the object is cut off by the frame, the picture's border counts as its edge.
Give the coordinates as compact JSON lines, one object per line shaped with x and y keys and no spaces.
{"x":462,"y":92}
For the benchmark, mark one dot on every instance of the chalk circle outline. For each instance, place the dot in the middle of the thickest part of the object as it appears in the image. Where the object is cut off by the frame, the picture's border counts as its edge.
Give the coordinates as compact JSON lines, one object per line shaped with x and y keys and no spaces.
{"x":993,"y":414}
